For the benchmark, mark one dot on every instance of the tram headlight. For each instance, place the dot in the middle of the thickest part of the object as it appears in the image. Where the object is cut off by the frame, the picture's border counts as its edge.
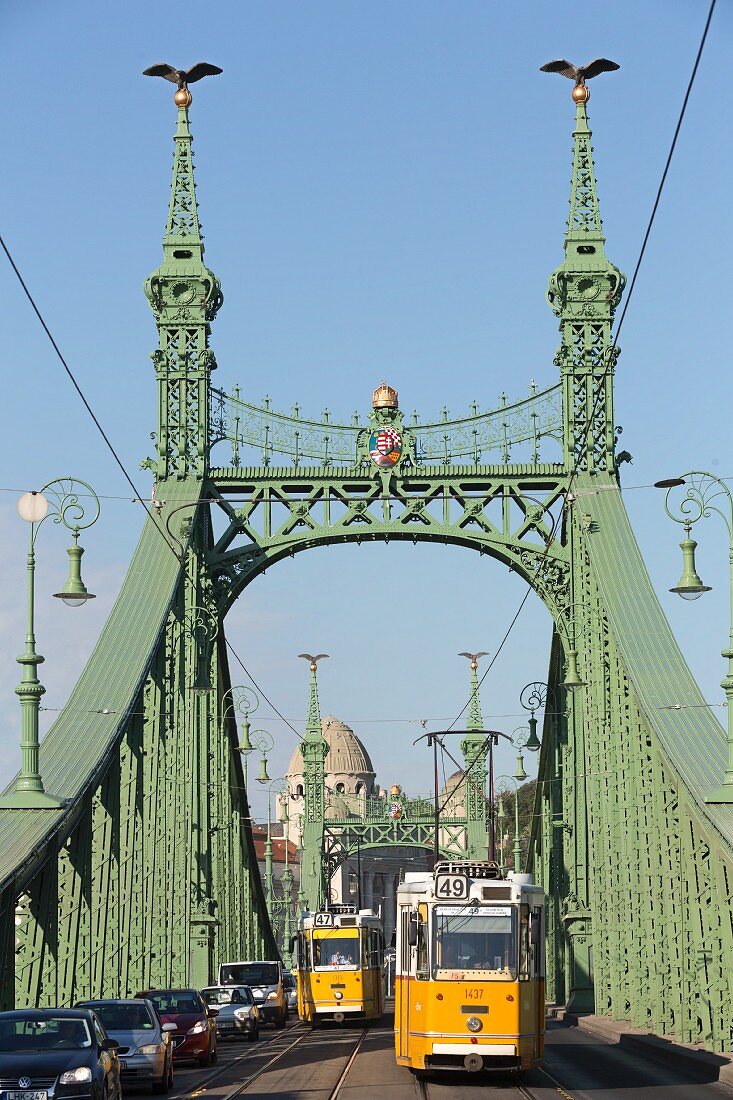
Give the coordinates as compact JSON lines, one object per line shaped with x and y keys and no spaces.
{"x":338,"y":995}
{"x":473,"y":1023}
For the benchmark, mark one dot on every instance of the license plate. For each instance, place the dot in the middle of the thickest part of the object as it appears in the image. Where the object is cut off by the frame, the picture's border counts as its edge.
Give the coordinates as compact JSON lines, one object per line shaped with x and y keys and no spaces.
{"x":225,"y":1023}
{"x":37,"y":1094}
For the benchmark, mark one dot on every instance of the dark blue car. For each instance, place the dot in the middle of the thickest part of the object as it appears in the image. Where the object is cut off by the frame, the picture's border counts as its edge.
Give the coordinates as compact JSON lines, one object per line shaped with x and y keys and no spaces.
{"x":53,"y":1053}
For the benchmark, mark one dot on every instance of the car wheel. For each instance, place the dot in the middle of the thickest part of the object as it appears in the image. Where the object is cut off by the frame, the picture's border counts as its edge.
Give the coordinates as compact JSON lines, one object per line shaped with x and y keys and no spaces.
{"x":214,"y":1055}
{"x":207,"y":1059}
{"x":163,"y":1085}
{"x":280,"y":1020}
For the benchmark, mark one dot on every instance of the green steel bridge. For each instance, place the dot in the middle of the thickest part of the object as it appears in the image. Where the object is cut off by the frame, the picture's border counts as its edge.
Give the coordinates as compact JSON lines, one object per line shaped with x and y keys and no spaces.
{"x":143,"y":851}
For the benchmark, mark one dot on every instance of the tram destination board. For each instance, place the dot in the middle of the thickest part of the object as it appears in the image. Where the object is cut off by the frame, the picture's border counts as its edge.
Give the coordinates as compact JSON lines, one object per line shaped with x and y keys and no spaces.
{"x":451,"y":887}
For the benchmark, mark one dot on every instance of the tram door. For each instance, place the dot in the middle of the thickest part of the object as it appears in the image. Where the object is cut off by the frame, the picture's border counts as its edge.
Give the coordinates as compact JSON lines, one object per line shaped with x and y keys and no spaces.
{"x":405,"y":980}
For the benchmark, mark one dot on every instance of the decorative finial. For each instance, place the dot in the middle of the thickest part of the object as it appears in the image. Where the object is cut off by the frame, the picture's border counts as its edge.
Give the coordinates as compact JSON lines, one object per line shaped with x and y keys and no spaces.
{"x":474,"y":658}
{"x":183,"y":77}
{"x":313,"y":660}
{"x":580,"y":73}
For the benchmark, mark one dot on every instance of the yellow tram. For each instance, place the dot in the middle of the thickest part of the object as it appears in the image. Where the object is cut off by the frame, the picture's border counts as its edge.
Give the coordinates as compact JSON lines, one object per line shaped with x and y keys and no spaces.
{"x":469,"y":986}
{"x":340,"y":960}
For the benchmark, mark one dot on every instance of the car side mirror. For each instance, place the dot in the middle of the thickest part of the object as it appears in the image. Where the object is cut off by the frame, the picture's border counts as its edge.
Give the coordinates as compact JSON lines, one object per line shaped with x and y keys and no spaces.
{"x":110,"y":1044}
{"x":212,"y":1010}
{"x":170,"y":1026}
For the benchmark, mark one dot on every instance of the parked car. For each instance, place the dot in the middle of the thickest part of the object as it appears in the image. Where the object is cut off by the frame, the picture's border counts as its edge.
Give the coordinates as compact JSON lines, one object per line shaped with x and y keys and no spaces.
{"x":145,"y":1046}
{"x":59,"y":1052}
{"x":265,"y":979}
{"x":195,"y":1036}
{"x":238,"y":1016}
{"x":290,"y":985}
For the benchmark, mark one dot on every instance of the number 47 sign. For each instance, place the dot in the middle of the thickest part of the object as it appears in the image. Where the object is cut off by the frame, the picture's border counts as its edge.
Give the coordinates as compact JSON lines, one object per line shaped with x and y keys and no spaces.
{"x":451,"y":887}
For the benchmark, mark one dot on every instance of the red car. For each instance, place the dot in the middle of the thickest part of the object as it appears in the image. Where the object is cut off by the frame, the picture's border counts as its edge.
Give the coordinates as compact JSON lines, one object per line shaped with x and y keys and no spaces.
{"x":195,"y":1035}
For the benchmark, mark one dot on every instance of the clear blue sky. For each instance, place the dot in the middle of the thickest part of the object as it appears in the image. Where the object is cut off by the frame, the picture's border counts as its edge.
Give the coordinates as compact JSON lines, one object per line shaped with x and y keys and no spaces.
{"x":383,"y":188}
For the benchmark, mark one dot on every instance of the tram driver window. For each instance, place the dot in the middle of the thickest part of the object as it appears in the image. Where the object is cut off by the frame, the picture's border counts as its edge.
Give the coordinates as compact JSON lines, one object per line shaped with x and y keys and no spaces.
{"x":470,"y":939}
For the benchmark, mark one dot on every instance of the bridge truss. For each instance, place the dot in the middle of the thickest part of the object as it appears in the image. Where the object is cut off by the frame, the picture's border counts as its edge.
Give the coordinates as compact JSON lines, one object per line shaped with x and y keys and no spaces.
{"x":146,"y":873}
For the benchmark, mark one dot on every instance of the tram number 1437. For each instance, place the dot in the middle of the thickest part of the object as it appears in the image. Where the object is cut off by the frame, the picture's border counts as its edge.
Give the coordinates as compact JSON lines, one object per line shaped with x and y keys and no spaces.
{"x":451,"y":887}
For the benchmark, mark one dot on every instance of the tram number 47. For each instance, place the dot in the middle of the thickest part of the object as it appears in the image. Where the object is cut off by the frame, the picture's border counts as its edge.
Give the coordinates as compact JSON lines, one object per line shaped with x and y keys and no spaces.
{"x":453,"y":887}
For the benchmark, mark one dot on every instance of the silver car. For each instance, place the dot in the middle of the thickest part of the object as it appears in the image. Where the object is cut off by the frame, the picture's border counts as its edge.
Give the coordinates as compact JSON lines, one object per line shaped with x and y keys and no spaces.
{"x":237,"y":1015}
{"x":145,"y":1049}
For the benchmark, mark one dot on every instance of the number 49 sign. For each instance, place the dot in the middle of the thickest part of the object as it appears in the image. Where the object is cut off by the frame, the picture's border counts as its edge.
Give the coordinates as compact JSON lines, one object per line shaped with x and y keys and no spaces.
{"x":451,"y":887}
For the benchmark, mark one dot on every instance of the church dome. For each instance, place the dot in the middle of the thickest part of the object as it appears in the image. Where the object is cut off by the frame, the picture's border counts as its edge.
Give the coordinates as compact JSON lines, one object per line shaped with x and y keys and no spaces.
{"x":346,"y":754}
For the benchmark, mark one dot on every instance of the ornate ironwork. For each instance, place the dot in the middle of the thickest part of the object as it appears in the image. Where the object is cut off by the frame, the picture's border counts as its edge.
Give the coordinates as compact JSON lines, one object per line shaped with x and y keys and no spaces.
{"x":475,"y":439}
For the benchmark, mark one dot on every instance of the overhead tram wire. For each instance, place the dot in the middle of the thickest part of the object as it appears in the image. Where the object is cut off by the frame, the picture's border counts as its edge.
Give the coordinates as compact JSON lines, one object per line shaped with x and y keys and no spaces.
{"x":614,"y":342}
{"x":138,"y":498}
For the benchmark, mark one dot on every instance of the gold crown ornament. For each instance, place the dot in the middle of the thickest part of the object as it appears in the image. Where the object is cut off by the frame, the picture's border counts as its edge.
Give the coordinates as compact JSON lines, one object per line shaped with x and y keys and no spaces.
{"x":384,"y":397}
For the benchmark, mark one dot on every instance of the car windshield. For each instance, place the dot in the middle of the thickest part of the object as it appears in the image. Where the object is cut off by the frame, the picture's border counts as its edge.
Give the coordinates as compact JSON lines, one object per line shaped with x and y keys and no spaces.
{"x":227,"y":995}
{"x":175,"y":1002}
{"x":23,"y":1033}
{"x":250,"y":973}
{"x":123,"y":1017}
{"x":469,"y":938}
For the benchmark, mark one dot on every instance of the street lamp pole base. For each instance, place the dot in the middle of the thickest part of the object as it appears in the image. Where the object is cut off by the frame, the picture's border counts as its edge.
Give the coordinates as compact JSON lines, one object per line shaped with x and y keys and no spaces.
{"x":30,"y":800}
{"x":721,"y":794}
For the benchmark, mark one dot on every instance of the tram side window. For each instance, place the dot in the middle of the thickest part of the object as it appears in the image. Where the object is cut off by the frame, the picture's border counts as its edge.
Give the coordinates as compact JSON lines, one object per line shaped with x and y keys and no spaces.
{"x":422,"y":969}
{"x":535,"y":942}
{"x":405,"y":941}
{"x":524,"y":944}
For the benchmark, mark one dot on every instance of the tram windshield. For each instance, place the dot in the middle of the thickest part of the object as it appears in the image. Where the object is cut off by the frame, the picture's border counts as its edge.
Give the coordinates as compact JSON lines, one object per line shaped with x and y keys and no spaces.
{"x":482,"y":940}
{"x":336,"y":947}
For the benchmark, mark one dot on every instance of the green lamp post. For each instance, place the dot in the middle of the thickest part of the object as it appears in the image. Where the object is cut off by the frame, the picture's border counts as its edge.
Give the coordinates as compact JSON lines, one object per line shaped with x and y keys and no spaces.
{"x":67,"y":504}
{"x":533,"y":697}
{"x":244,"y":701}
{"x":262,"y":741}
{"x":506,"y":784}
{"x":704,"y":493}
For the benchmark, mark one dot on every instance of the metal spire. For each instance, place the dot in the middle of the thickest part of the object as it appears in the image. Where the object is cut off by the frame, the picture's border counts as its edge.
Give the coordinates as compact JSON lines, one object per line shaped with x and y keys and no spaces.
{"x":184,"y":296}
{"x":474,"y":720}
{"x":313,"y":722}
{"x":584,"y":292}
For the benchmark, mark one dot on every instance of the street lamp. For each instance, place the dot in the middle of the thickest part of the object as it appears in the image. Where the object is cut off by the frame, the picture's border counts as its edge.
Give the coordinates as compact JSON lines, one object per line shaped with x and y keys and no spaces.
{"x":505,"y":784}
{"x":263,"y":742}
{"x":568,"y":619}
{"x":245,"y":701}
{"x":533,"y":697}
{"x":64,"y":507}
{"x":202,"y":626}
{"x":520,"y":740}
{"x":702,"y":490}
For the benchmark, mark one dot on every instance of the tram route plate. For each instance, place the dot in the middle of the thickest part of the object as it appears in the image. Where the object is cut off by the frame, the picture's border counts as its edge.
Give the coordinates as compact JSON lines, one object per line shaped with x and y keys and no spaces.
{"x":451,"y":887}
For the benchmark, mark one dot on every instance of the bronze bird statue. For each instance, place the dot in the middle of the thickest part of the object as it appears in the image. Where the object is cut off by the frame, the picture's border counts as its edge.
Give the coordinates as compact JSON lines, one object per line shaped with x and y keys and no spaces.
{"x":473,"y":657}
{"x":183,"y":77}
{"x":580,"y":73}
{"x":313,"y":660}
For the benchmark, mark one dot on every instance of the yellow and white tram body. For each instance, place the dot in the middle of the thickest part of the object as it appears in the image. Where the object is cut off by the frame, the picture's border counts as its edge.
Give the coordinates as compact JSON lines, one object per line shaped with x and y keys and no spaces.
{"x":469,"y":986}
{"x":340,"y":960}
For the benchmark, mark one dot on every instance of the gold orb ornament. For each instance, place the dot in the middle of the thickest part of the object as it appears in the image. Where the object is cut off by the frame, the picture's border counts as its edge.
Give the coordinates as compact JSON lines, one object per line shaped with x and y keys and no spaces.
{"x":182,"y":98}
{"x":581,"y":94}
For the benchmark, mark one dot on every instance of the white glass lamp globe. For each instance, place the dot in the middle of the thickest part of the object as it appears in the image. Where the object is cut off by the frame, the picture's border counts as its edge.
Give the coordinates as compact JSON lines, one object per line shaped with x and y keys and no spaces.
{"x":33,"y":507}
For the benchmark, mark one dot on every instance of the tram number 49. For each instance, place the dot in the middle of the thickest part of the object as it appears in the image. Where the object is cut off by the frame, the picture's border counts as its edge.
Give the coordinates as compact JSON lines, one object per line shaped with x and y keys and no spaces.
{"x":453,"y":887}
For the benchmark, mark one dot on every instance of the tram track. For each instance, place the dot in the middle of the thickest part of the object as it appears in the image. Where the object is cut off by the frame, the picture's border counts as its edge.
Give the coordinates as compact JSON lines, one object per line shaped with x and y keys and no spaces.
{"x":219,"y":1084}
{"x":483,"y":1088}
